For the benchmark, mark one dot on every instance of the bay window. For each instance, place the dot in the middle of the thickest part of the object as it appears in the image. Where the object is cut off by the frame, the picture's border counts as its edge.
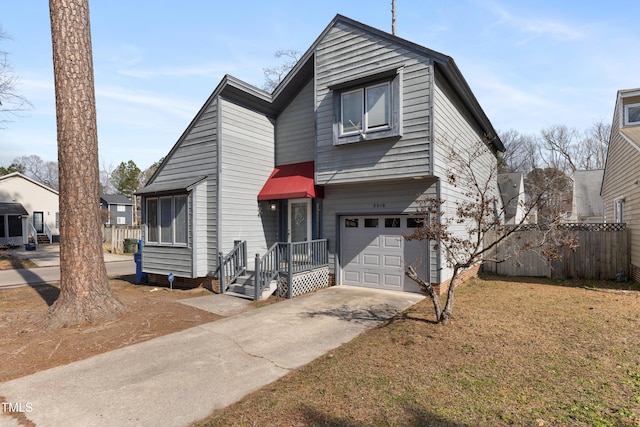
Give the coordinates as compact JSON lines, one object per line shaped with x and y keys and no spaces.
{"x":167,"y":220}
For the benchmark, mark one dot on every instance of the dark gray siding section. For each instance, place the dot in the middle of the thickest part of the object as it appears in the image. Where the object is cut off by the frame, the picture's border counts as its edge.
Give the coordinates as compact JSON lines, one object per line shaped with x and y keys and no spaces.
{"x":348,"y":53}
{"x":194,"y":155}
{"x":390,"y":197}
{"x":247,"y":152}
{"x":295,"y":129}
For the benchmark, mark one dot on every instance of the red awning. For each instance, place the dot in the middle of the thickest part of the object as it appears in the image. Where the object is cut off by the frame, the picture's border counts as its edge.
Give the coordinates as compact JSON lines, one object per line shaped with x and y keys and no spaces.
{"x":292,"y":181}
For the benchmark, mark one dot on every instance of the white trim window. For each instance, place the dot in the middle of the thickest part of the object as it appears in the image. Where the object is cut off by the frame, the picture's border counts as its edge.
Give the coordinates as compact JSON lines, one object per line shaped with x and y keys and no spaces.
{"x":632,"y":114}
{"x":121,"y":220}
{"x":121,"y":208}
{"x":365,"y":109}
{"x":618,"y":211}
{"x":167,"y":220}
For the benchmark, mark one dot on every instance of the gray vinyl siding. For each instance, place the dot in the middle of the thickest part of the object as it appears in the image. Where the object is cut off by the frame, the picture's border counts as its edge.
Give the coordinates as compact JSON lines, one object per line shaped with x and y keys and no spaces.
{"x":127,"y":214}
{"x":247,"y":151}
{"x":452,"y":128}
{"x":194,"y":155}
{"x":349,"y":52}
{"x":295,"y":130}
{"x":620,"y":177}
{"x":390,"y":197}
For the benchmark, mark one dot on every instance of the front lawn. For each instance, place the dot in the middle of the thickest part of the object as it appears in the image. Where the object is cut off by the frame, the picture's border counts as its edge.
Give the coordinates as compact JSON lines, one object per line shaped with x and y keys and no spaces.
{"x":525,"y":353}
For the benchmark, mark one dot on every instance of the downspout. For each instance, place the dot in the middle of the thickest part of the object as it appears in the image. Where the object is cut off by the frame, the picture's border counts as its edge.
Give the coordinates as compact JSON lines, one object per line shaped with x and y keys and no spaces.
{"x":218,"y":248}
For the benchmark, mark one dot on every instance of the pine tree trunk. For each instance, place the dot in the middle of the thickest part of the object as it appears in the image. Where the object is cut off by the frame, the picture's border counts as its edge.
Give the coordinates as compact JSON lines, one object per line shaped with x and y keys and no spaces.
{"x":85,"y":295}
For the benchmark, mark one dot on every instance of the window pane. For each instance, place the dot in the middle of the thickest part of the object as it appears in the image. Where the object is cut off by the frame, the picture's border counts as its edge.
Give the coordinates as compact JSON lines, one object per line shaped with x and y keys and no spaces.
{"x":378,"y":106}
{"x":2,"y":232}
{"x":181,"y":224}
{"x":152,"y":220}
{"x":351,"y":222}
{"x":414,"y":222}
{"x":120,"y":208}
{"x":15,"y":226}
{"x":121,"y":220}
{"x":352,"y":111}
{"x":392,"y":223}
{"x":633,"y":114}
{"x":371,"y":222}
{"x":165,"y":220}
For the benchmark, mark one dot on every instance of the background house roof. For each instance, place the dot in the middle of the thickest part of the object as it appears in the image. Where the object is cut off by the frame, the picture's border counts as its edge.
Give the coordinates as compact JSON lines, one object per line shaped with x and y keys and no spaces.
{"x":510,"y":186}
{"x":586,"y":193}
{"x":116,"y":199}
{"x":26,"y":178}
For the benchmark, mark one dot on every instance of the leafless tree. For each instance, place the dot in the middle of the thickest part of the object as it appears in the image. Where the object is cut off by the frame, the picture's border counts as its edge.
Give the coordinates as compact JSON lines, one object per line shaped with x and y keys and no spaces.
{"x":592,"y":152}
{"x":522,"y":152}
{"x":85,"y":295}
{"x":561,"y":147}
{"x":274,"y":75}
{"x":43,"y":171}
{"x":11,"y":102}
{"x":459,"y":233}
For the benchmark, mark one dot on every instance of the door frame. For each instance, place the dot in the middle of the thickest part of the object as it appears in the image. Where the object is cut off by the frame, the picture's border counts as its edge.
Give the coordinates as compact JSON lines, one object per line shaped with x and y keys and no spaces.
{"x":307,"y":201}
{"x":35,"y":214}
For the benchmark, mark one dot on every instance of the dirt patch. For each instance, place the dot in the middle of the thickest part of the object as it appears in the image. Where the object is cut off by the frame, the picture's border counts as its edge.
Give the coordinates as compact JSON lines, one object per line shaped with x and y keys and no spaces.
{"x":25,"y":347}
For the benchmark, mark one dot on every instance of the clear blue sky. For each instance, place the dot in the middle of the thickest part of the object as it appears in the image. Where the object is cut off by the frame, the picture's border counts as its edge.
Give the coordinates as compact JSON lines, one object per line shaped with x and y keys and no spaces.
{"x":531,"y":64}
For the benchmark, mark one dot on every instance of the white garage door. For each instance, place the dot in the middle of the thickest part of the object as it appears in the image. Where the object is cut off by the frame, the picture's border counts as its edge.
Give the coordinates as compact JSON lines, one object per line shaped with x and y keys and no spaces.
{"x":374,"y":254}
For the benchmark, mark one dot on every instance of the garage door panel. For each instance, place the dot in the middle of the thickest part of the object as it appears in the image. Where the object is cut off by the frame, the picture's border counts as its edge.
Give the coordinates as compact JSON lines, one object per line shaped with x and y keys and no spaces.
{"x":371,"y":279}
{"x":371,"y":259}
{"x":392,"y":261}
{"x":351,"y":276}
{"x":392,"y":281}
{"x":392,"y":242}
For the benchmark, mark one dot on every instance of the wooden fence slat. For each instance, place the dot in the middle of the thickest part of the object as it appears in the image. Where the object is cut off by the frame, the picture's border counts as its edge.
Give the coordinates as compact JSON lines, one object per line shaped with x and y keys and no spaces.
{"x":602,"y":251}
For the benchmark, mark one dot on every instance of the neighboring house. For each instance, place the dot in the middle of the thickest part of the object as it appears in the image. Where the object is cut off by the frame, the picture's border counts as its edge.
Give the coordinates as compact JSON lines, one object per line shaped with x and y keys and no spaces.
{"x":513,"y":197}
{"x":587,"y":203}
{"x":621,"y":181}
{"x":332,"y":162}
{"x":119,"y":208}
{"x":29,"y":211}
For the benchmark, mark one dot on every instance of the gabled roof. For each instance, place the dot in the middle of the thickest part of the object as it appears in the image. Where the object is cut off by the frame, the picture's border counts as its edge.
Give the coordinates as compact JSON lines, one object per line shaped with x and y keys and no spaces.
{"x":26,"y":178}
{"x":170,"y":187}
{"x":271,"y":104}
{"x":116,"y":199}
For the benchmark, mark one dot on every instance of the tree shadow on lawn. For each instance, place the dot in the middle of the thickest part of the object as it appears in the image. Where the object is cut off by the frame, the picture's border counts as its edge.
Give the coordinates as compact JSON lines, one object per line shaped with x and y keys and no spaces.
{"x":571,"y":283}
{"x":48,"y":293}
{"x":412,"y":416}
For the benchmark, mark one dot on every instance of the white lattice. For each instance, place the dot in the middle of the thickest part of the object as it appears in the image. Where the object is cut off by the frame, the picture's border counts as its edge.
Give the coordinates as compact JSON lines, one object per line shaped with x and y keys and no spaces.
{"x":303,"y":283}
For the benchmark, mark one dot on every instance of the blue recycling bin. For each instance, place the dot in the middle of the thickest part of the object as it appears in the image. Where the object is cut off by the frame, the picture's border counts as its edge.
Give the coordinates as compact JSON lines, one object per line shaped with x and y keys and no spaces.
{"x":137,"y":258}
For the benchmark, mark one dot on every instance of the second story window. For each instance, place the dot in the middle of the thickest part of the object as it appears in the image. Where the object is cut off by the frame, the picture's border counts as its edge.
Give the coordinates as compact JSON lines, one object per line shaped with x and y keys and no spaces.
{"x":632,"y":114}
{"x":368,"y":107}
{"x":365,"y":109}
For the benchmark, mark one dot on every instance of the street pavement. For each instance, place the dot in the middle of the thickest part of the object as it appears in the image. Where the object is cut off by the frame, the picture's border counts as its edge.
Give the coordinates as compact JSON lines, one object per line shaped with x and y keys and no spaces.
{"x":47,"y":258}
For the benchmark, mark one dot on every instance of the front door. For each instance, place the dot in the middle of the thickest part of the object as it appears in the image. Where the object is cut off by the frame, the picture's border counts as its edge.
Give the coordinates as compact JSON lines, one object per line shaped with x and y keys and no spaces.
{"x":38,"y":222}
{"x":299,"y":220}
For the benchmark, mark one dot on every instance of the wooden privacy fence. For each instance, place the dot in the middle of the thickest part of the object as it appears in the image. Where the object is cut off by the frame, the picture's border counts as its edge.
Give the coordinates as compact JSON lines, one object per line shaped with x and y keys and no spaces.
{"x":116,"y":235}
{"x":603,"y":251}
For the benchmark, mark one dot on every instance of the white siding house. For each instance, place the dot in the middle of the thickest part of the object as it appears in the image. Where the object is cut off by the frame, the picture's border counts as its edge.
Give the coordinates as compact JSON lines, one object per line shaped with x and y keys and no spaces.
{"x":340,"y":153}
{"x":29,"y":210}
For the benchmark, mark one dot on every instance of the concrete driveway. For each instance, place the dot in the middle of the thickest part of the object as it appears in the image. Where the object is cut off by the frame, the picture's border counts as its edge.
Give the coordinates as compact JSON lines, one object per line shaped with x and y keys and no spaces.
{"x":180,"y":378}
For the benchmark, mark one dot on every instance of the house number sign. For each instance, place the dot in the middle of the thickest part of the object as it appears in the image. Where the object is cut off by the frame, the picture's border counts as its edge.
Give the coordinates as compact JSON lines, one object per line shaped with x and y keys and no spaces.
{"x":378,"y":205}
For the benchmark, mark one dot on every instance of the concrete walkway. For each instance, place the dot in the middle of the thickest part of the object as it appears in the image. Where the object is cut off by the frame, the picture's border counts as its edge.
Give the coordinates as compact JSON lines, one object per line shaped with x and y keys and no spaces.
{"x":47,"y":258}
{"x":183,"y":377}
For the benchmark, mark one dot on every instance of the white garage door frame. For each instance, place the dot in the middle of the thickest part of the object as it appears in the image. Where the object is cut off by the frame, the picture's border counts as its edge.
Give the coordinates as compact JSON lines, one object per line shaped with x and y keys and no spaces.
{"x":373,"y":253}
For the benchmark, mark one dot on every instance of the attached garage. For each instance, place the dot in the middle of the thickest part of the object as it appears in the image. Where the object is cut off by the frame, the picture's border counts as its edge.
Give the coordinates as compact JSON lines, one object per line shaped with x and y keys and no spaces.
{"x":374,"y":254}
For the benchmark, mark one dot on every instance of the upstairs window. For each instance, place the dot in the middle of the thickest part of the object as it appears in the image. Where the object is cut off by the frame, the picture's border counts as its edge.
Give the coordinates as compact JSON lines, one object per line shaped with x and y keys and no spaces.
{"x":365,"y":109}
{"x":618,"y":211}
{"x":632,"y":114}
{"x":368,"y":108}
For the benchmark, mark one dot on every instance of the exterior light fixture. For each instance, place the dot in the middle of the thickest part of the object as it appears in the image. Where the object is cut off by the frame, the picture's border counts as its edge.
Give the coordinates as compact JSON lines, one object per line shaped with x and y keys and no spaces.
{"x":273,"y":206}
